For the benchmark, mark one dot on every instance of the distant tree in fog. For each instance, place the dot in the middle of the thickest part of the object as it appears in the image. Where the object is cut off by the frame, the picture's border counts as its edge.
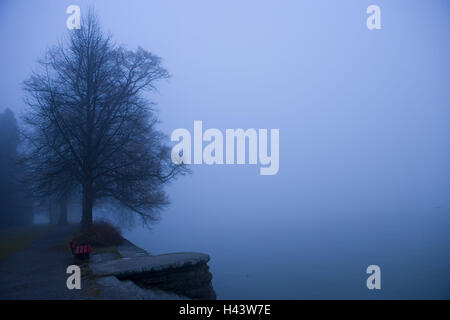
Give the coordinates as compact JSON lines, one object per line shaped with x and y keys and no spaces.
{"x":15,"y":207}
{"x":89,"y":126}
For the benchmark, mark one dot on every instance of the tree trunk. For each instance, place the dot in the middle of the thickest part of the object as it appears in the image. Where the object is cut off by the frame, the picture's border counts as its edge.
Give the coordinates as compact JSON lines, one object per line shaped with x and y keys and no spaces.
{"x":51,"y":213}
{"x":63,"y":212}
{"x":86,"y":218}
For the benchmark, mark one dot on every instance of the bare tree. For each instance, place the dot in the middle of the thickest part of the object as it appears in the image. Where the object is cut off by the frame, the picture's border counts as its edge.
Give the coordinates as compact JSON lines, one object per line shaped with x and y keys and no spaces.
{"x":15,"y":207}
{"x":90,"y":126}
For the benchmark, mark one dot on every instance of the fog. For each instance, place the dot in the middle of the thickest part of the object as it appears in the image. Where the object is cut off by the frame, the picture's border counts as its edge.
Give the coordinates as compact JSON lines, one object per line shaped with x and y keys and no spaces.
{"x":364,"y":120}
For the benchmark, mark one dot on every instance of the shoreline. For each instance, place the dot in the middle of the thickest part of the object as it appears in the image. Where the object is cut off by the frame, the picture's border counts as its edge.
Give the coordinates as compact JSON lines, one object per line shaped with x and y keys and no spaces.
{"x":133,"y":273}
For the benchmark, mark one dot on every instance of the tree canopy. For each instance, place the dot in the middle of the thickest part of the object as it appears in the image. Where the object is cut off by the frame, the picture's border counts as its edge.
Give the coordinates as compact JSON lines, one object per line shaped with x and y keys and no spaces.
{"x":89,"y":126}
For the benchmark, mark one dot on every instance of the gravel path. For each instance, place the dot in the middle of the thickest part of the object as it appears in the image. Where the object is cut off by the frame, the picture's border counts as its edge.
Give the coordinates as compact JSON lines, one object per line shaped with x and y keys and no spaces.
{"x":39,"y":271}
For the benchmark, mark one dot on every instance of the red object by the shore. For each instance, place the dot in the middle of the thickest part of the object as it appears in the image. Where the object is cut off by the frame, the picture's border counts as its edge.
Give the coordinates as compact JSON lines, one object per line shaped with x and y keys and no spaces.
{"x":80,"y":251}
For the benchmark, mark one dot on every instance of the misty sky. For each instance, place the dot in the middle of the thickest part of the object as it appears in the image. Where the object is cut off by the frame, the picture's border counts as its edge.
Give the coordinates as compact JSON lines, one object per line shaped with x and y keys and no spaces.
{"x":364,"y":119}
